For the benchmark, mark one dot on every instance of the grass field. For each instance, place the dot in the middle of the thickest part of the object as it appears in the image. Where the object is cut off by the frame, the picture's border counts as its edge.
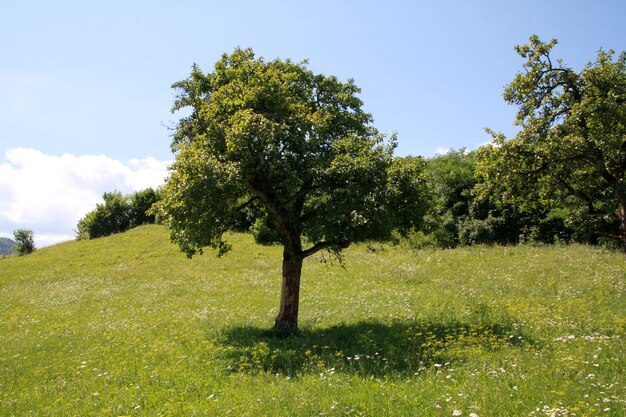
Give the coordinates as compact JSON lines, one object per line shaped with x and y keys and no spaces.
{"x":127,"y":326}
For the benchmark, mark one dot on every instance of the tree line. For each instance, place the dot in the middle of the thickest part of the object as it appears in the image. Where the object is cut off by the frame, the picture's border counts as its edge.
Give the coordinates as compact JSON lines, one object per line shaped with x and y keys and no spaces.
{"x":456,"y":204}
{"x":561,"y":179}
{"x":273,"y":147}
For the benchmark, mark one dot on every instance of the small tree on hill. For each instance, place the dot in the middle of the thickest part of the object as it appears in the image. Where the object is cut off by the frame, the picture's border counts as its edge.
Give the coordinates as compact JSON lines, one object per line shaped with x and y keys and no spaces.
{"x":24,"y":241}
{"x":111,"y":217}
{"x":141,"y":203}
{"x":299,"y":147}
{"x":118,"y":214}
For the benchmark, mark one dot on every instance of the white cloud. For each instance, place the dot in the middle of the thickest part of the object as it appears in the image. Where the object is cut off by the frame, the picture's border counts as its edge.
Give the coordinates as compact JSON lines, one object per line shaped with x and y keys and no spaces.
{"x":49,"y":194}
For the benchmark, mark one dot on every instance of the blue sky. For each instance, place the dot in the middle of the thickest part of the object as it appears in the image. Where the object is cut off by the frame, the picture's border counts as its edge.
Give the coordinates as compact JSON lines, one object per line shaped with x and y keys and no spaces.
{"x":81,"y":79}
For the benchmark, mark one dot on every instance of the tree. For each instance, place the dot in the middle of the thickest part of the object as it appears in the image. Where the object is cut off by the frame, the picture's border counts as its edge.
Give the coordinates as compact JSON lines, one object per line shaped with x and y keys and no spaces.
{"x":140,"y":204}
{"x":106,"y":219}
{"x":450,"y":179}
{"x":118,"y":214}
{"x":24,"y":241}
{"x":297,"y":145}
{"x":571,"y":151}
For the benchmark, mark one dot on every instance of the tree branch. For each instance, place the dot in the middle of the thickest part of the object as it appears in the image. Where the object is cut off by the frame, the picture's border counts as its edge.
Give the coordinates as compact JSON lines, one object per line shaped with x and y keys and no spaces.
{"x":247,"y":203}
{"x":597,"y":161}
{"x":324,"y":245}
{"x":273,"y":212}
{"x":580,"y":194}
{"x":297,"y":201}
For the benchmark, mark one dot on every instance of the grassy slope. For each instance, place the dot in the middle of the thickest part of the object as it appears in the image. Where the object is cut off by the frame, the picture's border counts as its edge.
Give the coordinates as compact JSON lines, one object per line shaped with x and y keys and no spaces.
{"x":126,"y":325}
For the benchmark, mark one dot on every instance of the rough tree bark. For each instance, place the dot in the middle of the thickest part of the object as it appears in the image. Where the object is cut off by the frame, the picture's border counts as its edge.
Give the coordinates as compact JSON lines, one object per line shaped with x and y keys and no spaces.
{"x":287,"y":320}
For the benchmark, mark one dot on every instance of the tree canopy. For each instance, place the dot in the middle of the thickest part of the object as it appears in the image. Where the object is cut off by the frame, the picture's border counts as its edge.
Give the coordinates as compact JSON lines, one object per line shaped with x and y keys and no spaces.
{"x":570,"y":153}
{"x":118,"y":214}
{"x":298,"y":147}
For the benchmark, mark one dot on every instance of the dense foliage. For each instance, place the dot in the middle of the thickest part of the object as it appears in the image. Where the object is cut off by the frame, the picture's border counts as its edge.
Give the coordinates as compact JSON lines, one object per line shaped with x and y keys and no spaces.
{"x":449,"y":180}
{"x":24,"y":241}
{"x":568,"y":162}
{"x":295,"y":145}
{"x":118,"y":214}
{"x":562,"y":178}
{"x":271,"y":148}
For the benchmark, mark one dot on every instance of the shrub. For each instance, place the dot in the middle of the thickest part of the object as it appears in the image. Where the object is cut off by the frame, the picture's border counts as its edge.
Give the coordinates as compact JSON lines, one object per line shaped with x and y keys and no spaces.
{"x":118,"y":214}
{"x":24,"y":241}
{"x":263,"y":234}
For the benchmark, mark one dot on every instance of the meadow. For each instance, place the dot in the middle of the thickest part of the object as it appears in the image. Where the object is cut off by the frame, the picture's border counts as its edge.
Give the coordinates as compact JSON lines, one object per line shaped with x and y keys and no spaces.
{"x":128,"y":326}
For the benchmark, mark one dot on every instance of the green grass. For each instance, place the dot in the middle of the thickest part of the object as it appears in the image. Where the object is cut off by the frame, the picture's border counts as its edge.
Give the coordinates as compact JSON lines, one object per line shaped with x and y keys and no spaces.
{"x":127,"y":325}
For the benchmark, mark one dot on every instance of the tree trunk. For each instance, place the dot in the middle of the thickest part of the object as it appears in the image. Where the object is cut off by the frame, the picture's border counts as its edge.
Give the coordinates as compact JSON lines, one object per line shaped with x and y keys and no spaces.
{"x":622,"y":222}
{"x":287,"y":320}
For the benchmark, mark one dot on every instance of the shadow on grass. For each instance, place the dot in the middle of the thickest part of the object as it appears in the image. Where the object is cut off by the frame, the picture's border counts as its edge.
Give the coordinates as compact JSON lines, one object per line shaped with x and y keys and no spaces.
{"x":366,"y":348}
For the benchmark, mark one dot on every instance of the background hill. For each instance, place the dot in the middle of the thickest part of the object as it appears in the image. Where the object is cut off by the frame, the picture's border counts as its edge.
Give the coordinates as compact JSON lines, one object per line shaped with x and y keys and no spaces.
{"x":127,"y":325}
{"x":6,"y":246}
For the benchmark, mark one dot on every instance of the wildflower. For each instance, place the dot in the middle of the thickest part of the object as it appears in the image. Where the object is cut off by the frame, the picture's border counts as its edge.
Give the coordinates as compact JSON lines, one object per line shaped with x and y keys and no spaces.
{"x":473,"y":415}
{"x":457,"y":413}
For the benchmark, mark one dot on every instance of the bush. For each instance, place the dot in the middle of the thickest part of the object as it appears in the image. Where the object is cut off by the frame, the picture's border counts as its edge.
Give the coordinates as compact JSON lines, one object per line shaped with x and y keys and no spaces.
{"x":441,"y":229}
{"x":263,"y":234}
{"x":111,"y":217}
{"x":24,"y":241}
{"x":140,"y":204}
{"x":418,"y":240}
{"x":449,"y":180}
{"x":118,"y":214}
{"x":475,"y":231}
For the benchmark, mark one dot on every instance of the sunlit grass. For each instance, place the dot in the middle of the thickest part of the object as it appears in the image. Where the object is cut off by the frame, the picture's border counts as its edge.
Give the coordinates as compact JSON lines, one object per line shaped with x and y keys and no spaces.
{"x":127,"y":325}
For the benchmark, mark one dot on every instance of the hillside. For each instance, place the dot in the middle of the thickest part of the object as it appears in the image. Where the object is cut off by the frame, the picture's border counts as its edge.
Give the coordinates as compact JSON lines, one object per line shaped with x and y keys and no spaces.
{"x":127,"y":325}
{"x":6,"y":246}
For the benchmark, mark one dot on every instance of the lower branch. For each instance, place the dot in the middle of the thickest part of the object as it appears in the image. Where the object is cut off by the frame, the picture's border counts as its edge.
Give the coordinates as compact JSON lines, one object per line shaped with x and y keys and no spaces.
{"x":324,"y":245}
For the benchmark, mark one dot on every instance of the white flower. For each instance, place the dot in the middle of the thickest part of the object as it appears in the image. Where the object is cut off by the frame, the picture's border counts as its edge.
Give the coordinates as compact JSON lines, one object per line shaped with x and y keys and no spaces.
{"x":473,"y":415}
{"x":457,"y":413}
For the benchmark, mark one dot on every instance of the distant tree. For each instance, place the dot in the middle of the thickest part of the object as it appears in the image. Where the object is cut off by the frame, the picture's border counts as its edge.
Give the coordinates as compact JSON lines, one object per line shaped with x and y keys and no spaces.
{"x":263,"y":232}
{"x":140,"y":204}
{"x":111,"y":217}
{"x":297,"y":145}
{"x":570,"y":154}
{"x":449,"y":181}
{"x":118,"y":214}
{"x":24,"y":241}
